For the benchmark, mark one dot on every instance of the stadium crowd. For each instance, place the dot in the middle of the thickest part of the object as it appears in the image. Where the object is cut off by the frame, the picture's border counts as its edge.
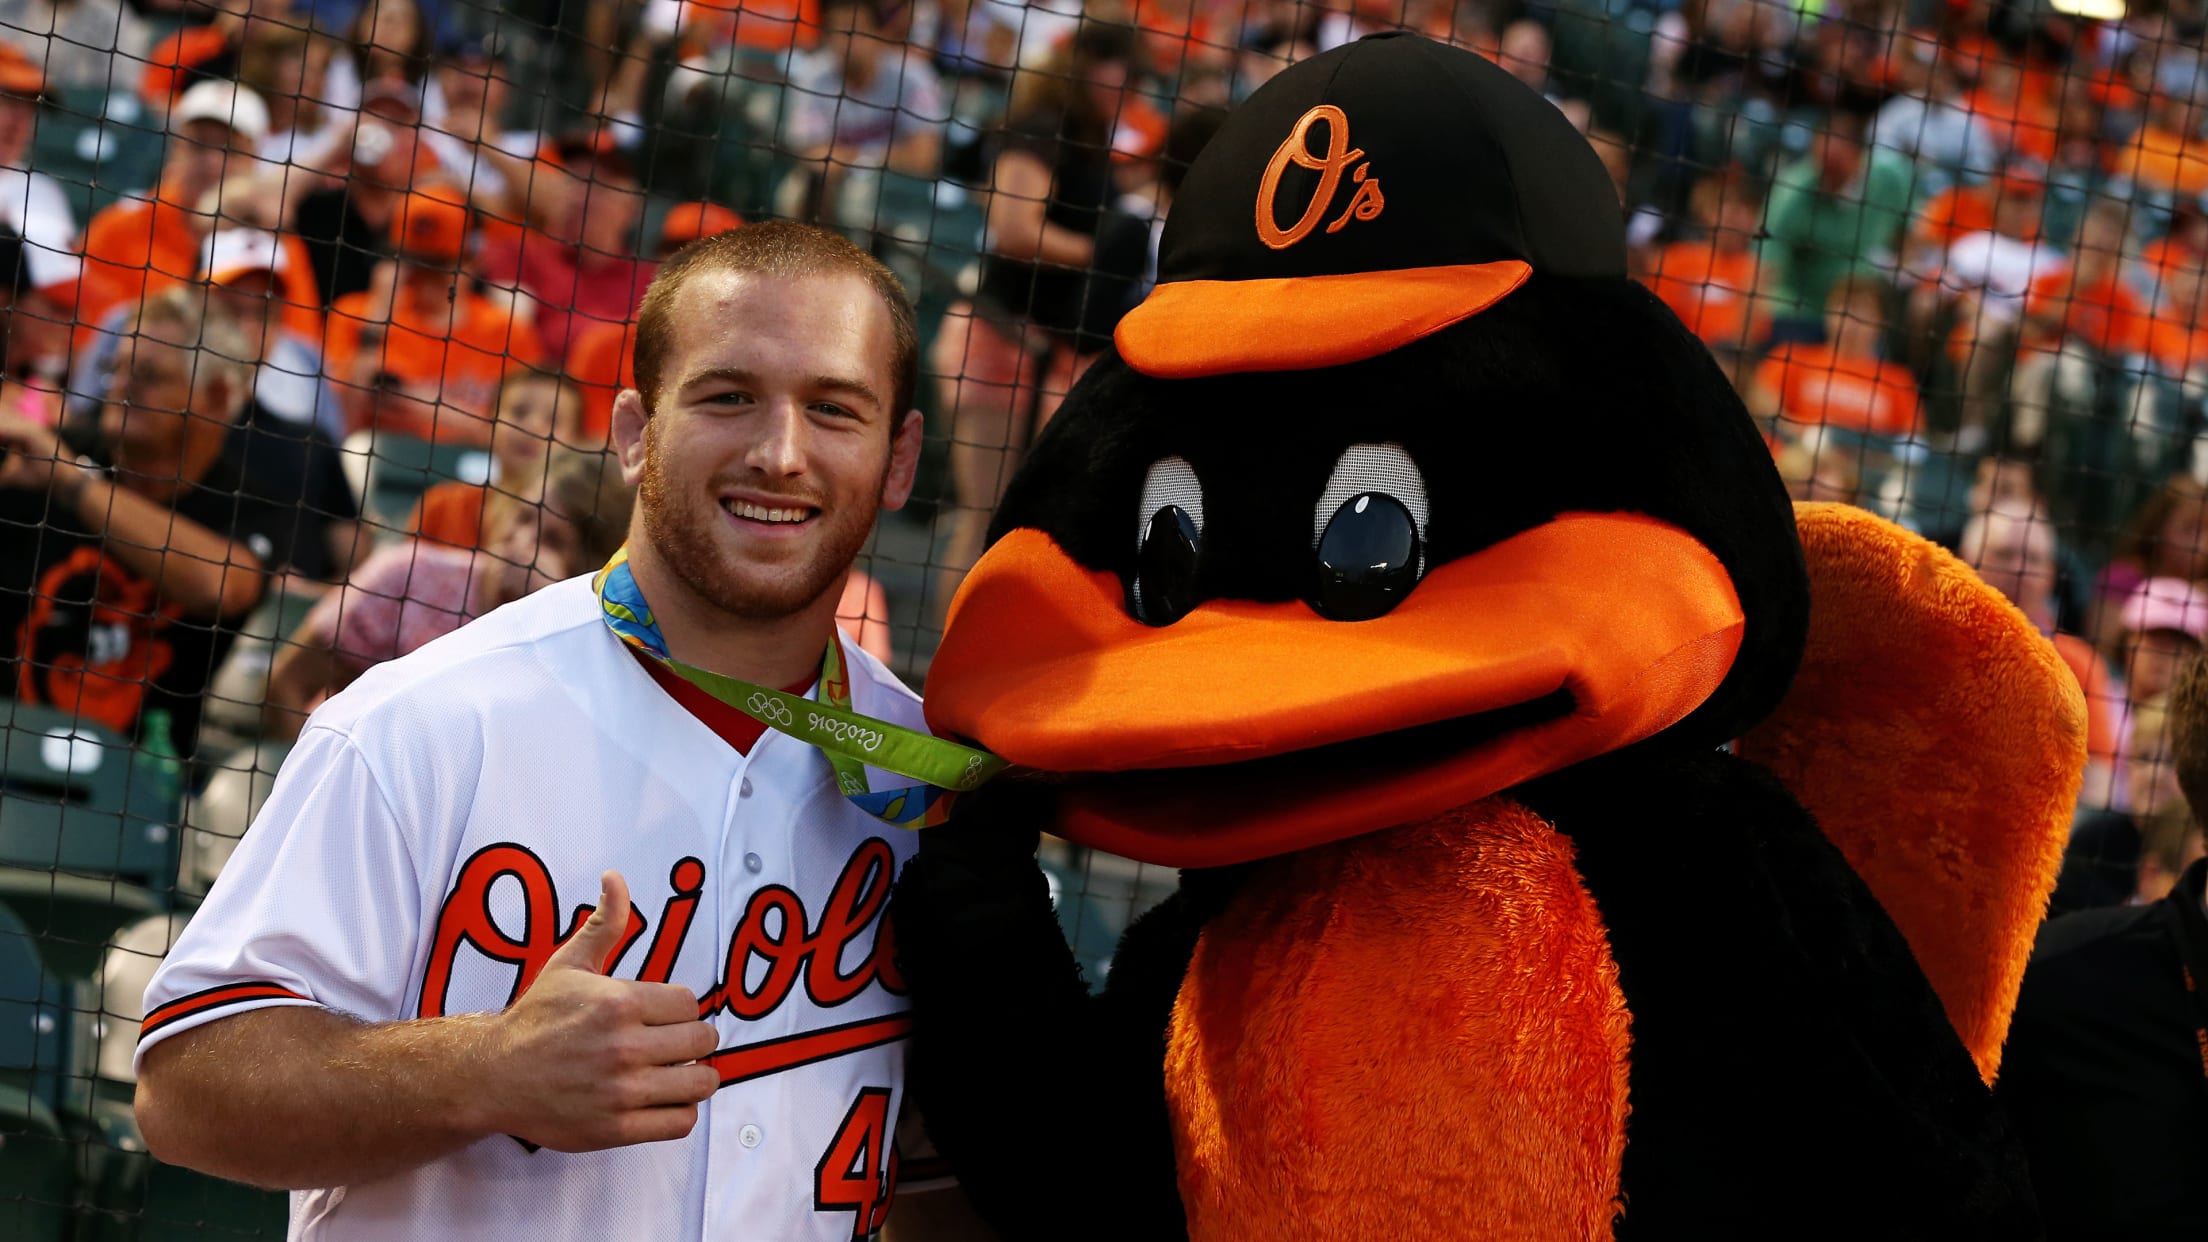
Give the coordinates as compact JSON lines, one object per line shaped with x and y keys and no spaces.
{"x":317,"y":308}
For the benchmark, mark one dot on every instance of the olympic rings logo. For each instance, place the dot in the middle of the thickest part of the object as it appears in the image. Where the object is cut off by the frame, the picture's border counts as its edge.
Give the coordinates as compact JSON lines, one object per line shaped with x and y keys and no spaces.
{"x":769,"y":709}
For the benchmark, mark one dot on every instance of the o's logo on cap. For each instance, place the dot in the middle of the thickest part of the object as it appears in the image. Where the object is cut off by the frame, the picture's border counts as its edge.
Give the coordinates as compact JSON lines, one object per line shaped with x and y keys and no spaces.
{"x":1365,"y":204}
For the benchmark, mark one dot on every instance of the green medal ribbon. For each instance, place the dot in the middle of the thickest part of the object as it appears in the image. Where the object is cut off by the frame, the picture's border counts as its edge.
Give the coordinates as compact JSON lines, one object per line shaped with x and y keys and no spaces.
{"x":850,"y":742}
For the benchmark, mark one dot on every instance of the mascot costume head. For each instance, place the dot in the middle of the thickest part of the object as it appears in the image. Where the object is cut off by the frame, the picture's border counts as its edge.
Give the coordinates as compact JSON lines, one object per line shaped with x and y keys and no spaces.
{"x":1578,"y":840}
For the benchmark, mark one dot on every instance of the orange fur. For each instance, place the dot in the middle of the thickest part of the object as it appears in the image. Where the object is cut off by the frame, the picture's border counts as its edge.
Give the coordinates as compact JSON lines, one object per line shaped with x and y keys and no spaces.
{"x":1940,"y":741}
{"x":1416,"y":1033}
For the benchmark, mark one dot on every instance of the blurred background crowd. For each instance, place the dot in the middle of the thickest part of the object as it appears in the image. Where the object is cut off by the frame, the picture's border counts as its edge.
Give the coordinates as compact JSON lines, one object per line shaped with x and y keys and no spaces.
{"x":330,"y":299}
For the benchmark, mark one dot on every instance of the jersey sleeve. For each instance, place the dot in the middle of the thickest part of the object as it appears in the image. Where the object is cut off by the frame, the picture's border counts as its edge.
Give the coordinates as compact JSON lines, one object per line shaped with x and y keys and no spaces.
{"x":319,"y":906}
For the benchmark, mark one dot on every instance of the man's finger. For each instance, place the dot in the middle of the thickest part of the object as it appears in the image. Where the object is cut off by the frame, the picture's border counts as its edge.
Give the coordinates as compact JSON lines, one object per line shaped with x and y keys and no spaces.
{"x":679,"y":1045}
{"x":666,"y":1004}
{"x":600,"y":935}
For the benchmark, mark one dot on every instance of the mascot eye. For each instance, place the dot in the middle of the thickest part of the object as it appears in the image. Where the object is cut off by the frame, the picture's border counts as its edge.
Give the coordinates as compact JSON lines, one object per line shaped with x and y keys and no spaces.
{"x":1368,"y":533}
{"x":1170,"y":526}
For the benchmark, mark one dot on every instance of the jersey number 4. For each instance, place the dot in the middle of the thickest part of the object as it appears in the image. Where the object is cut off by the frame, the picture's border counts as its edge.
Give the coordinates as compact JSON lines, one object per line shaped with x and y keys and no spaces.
{"x":858,"y":1172}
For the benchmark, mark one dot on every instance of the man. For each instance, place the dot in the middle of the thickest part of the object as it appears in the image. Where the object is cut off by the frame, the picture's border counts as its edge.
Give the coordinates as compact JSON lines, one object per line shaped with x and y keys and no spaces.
{"x":864,"y":99}
{"x":1839,"y":209}
{"x":33,"y":205}
{"x":2103,"y":1074}
{"x":374,"y":1007}
{"x":128,"y":556}
{"x":138,"y":247}
{"x":445,"y":344}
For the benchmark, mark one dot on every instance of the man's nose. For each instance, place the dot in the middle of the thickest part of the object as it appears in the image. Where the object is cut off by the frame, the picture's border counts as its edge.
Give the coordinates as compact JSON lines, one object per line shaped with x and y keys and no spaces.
{"x":780,"y":448}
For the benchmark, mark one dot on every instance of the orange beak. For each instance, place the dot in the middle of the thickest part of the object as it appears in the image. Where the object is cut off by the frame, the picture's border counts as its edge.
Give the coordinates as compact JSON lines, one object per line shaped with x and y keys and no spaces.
{"x":1246,"y":730}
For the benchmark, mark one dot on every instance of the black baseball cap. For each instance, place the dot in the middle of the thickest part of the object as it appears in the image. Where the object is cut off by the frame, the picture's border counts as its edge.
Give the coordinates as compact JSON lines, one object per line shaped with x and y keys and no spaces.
{"x":1361,"y":200}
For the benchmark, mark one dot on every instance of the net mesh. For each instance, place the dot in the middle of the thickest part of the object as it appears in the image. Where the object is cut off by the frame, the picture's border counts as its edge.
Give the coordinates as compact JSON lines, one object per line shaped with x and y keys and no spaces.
{"x":318,"y":311}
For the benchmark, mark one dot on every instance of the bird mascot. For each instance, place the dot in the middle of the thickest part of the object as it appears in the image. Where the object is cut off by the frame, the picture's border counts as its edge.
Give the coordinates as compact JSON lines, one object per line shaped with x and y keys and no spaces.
{"x":1577,"y":840}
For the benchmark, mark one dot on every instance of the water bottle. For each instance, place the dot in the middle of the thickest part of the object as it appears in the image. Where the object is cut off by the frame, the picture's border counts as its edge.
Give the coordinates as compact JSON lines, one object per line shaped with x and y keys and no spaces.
{"x":157,"y":743}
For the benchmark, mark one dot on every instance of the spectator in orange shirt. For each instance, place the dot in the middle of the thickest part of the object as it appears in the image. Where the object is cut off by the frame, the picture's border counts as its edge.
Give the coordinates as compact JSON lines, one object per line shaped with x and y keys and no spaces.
{"x":421,"y":331}
{"x":2019,"y":118}
{"x":139,"y":247}
{"x":2176,"y":339}
{"x":2076,"y":317}
{"x":537,"y":411}
{"x":1711,"y":282}
{"x":1843,"y":383}
{"x":346,"y":221}
{"x":582,"y":268}
{"x":2166,"y":156}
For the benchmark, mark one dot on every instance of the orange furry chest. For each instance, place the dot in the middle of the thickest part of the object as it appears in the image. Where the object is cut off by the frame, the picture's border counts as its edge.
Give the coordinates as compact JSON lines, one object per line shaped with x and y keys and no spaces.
{"x":1417,"y":1033}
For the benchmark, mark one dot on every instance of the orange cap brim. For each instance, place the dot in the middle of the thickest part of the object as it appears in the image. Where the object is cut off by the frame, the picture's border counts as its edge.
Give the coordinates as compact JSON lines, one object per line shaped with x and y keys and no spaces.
{"x":1192,"y":328}
{"x":1042,"y":664}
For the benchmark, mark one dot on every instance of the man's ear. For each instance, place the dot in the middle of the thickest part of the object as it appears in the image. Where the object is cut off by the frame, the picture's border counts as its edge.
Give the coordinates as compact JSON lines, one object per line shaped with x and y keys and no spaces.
{"x":631,"y":428}
{"x":904,"y":461}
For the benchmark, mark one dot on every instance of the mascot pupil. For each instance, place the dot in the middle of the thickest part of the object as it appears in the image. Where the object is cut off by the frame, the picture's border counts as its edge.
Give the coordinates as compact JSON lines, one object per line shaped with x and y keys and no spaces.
{"x":1577,"y":840}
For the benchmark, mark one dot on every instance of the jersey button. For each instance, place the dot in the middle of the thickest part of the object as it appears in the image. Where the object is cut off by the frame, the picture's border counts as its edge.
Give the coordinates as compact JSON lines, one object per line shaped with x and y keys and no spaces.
{"x":743,"y":788}
{"x":753,"y":863}
{"x":749,"y":1136}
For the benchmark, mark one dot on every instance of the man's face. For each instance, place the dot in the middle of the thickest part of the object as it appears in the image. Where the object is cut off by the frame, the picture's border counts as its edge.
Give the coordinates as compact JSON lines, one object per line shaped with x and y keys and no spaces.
{"x":157,"y":421}
{"x":196,"y":162}
{"x":2018,"y":561}
{"x":773,"y":444}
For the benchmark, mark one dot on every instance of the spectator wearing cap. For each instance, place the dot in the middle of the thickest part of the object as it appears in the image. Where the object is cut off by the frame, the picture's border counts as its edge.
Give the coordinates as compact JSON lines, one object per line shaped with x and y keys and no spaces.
{"x":863,"y":99}
{"x":138,"y":247}
{"x":287,"y":433}
{"x":1845,"y":382}
{"x":1840,"y":208}
{"x":255,"y":276}
{"x":2102,"y":1077}
{"x":421,"y":330}
{"x":602,"y":357}
{"x":78,"y":42}
{"x":2161,"y":627}
{"x":581,"y":267}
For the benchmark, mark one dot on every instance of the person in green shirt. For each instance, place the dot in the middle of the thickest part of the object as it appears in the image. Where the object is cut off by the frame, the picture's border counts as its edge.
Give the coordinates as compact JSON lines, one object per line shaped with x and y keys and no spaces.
{"x":1840,"y":208}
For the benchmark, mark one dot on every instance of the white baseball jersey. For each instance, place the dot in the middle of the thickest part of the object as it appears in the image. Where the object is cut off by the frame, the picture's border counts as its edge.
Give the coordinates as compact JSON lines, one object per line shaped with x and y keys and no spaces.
{"x":442,"y":825}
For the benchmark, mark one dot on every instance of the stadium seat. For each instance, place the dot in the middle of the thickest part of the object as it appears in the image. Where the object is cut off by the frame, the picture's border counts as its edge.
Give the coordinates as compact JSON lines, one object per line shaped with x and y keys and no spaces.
{"x":81,"y":799}
{"x":130,"y":1195}
{"x":37,"y":1170}
{"x":239,"y":690}
{"x":217,"y":817}
{"x":390,"y":472}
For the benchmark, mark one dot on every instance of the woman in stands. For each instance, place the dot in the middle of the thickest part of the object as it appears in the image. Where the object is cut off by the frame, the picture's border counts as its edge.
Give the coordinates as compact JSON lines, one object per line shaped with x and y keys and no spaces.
{"x":1043,"y":310}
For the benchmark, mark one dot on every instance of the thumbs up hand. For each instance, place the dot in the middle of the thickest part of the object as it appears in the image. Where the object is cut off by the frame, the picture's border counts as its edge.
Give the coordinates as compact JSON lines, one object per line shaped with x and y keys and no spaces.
{"x":586,"y":1062}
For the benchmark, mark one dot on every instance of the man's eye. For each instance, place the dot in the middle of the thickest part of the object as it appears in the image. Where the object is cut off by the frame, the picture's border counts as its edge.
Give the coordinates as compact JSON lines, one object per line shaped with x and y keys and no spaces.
{"x":833,"y":410}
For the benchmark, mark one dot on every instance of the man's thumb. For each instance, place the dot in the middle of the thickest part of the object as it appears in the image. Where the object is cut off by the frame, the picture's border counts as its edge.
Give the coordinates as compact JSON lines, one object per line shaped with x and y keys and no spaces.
{"x":600,"y":934}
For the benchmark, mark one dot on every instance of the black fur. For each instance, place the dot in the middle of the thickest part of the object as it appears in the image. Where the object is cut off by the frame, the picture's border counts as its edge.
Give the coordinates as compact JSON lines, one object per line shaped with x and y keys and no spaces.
{"x":1793,"y":1074}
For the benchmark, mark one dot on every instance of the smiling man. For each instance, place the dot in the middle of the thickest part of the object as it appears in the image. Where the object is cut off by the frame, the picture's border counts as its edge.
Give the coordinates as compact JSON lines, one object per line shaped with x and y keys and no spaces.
{"x":421,"y":995}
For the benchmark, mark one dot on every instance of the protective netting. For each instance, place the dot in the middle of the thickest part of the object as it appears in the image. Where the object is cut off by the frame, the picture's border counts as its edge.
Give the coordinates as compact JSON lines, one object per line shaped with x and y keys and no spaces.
{"x":318,"y":310}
